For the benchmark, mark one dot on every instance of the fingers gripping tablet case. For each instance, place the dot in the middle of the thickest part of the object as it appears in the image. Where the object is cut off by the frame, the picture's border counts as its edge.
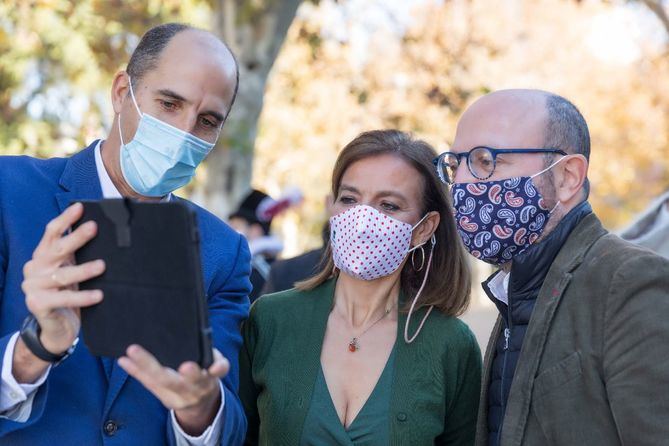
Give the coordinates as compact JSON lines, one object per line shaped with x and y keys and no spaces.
{"x":153,"y":287}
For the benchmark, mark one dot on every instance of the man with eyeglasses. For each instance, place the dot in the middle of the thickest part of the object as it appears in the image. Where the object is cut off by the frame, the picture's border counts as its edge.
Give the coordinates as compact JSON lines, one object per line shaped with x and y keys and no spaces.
{"x":578,"y":355}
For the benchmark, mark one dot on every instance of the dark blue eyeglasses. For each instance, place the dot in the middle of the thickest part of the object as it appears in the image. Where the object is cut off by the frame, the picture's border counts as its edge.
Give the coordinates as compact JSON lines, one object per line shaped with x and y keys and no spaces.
{"x":481,"y":161}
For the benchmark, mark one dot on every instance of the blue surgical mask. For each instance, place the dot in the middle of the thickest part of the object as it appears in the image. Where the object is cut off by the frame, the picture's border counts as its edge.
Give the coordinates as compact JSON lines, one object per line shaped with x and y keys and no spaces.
{"x":160,"y":158}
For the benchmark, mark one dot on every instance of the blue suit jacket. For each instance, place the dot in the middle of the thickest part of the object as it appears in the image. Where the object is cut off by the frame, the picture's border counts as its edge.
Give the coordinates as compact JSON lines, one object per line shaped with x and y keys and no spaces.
{"x":84,"y":392}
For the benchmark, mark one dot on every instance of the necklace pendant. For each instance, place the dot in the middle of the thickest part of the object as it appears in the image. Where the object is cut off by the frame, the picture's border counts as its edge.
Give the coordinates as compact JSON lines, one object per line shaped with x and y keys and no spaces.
{"x":353,"y":345}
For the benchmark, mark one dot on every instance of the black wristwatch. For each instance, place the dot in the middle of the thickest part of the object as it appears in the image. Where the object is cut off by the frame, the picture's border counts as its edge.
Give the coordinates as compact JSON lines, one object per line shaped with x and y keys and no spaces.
{"x":30,"y":331}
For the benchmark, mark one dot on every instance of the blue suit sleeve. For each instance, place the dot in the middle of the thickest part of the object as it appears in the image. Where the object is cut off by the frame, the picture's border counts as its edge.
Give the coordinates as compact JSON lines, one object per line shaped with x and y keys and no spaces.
{"x":228,"y":308}
{"x":7,"y":426}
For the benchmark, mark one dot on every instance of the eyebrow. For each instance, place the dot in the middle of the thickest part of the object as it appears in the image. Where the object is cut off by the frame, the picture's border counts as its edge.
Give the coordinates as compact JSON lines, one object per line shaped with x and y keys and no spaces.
{"x":390,"y":193}
{"x":383,"y":193}
{"x":174,"y":95}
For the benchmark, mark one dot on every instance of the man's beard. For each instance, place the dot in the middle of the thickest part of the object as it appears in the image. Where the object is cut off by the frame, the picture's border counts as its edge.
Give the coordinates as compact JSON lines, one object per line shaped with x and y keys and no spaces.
{"x":546,"y":188}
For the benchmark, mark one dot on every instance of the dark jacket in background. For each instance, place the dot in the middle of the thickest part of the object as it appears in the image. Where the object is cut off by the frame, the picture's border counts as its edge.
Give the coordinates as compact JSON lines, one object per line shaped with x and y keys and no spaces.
{"x":284,"y":273}
{"x":260,"y":269}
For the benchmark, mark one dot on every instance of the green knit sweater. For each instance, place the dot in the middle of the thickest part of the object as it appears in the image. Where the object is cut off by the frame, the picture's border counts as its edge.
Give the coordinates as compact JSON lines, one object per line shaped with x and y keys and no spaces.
{"x":436,"y":379}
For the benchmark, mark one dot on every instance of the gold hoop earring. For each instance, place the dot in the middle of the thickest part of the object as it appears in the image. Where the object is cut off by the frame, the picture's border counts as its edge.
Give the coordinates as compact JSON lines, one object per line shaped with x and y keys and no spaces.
{"x":413,"y":258}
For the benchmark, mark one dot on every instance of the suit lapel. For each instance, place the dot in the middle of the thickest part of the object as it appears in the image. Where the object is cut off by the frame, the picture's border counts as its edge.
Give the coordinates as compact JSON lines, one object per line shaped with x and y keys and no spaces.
{"x":117,"y":379}
{"x":557,"y":280}
{"x":80,"y":181}
{"x":107,"y":364}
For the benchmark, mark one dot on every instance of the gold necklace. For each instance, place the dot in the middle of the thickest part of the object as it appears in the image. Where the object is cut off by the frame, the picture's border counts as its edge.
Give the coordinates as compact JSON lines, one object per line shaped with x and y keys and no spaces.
{"x":353,"y":346}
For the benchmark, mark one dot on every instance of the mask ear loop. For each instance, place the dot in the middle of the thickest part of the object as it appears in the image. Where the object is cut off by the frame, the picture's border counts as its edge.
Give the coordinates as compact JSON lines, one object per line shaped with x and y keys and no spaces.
{"x":416,"y":225}
{"x":549,"y":167}
{"x":120,"y":134}
{"x":412,"y":251}
{"x":546,"y":170}
{"x":134,"y":102}
{"x":408,"y":339}
{"x":132,"y":95}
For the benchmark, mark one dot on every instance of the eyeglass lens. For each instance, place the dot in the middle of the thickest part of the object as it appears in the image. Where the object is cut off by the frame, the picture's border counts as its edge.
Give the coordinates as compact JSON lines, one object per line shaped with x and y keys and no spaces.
{"x":447,"y":168}
{"x":481,"y":163}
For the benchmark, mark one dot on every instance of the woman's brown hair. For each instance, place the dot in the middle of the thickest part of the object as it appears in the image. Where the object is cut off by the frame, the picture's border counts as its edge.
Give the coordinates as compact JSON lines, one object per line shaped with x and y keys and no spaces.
{"x":448,"y":287}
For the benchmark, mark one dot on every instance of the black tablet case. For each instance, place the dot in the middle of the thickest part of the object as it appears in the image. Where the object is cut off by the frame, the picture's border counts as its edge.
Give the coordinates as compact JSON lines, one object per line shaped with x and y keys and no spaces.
{"x":153,"y":288}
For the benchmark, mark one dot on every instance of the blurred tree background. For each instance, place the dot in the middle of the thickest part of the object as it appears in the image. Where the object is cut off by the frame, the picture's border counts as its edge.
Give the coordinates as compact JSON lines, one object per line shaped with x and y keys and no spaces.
{"x":355,"y":65}
{"x":57,"y":59}
{"x":316,"y":73}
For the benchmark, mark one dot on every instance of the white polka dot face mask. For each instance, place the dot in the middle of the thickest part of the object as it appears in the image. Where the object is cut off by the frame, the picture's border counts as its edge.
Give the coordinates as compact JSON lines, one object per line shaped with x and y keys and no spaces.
{"x":368,"y":244}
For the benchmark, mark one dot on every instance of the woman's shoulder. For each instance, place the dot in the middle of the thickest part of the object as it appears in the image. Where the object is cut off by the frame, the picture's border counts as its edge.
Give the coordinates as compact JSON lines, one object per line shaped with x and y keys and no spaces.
{"x":448,"y":332}
{"x":288,"y":304}
{"x":448,"y":347}
{"x":276,"y":304}
{"x":285,"y":297}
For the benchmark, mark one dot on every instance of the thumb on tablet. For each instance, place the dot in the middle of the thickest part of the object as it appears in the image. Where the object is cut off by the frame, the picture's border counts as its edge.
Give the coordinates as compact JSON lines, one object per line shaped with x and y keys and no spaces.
{"x":220,"y":367}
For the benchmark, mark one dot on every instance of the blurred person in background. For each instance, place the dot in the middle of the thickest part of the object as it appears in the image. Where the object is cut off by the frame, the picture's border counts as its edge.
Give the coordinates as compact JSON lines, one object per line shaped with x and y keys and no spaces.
{"x":285,"y":273}
{"x":370,"y":351}
{"x":253,"y":219}
{"x":579,"y":351}
{"x":651,"y":228}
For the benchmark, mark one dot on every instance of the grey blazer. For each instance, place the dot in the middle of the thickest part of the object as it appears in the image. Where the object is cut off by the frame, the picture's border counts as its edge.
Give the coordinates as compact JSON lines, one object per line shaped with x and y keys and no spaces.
{"x":594,"y":366}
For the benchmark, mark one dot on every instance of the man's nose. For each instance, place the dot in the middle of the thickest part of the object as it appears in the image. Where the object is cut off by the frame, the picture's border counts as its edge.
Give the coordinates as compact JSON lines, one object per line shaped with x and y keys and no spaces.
{"x":186,"y":121}
{"x":463,"y":175}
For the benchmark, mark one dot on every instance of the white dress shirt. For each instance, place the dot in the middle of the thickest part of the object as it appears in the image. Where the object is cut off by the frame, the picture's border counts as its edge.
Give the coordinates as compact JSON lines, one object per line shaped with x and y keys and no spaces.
{"x":16,"y":400}
{"x":499,"y":286}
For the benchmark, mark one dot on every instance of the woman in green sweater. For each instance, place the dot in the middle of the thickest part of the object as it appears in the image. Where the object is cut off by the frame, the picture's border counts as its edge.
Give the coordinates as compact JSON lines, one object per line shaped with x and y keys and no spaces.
{"x":369,"y":351}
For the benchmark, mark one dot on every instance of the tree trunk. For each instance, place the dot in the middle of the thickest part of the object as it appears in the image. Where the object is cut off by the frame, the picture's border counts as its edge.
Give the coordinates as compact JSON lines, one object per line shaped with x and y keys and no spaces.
{"x":255,"y":31}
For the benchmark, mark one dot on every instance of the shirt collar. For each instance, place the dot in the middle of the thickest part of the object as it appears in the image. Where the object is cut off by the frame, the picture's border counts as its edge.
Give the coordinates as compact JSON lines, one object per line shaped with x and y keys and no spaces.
{"x":499,"y":286}
{"x":106,"y":183}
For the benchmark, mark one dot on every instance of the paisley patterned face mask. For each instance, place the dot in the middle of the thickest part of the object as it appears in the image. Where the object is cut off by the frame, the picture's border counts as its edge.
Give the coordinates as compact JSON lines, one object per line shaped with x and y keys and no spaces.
{"x":498,"y":220}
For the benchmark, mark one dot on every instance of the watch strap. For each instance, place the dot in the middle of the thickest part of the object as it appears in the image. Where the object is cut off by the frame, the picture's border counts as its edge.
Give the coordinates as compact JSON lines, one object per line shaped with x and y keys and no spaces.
{"x":30,"y":333}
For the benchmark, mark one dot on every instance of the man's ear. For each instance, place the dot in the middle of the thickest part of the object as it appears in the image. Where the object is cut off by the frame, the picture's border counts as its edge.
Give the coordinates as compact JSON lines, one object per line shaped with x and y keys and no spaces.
{"x":573,"y":175}
{"x":120,"y":90}
{"x":424,"y":231}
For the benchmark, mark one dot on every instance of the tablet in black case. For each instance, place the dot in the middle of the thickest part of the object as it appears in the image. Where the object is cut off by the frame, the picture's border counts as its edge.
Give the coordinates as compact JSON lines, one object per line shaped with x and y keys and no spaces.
{"x":153,"y":287}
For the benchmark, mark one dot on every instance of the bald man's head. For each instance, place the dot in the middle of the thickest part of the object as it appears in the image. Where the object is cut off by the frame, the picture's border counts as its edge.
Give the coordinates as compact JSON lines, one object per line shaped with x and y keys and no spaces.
{"x":529,"y":118}
{"x":523,"y":118}
{"x":503,"y":119}
{"x":148,"y":52}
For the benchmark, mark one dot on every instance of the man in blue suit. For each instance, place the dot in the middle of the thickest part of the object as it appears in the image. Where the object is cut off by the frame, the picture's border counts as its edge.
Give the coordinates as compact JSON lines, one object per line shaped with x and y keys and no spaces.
{"x":170,"y":105}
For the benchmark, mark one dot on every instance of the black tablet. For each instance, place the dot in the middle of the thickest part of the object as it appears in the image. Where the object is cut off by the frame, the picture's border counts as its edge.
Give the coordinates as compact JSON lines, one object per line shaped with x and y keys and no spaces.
{"x":153,"y":287}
